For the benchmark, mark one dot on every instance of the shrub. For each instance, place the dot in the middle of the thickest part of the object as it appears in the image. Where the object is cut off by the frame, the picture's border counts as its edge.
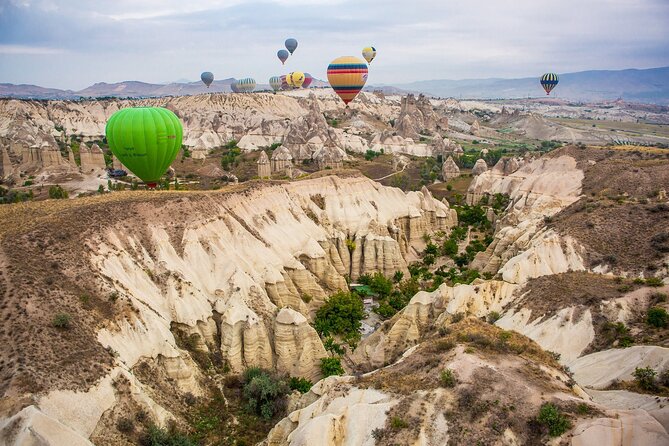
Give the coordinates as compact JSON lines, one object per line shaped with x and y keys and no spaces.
{"x":447,"y":378}
{"x":57,"y":192}
{"x":645,"y":378}
{"x":263,"y":392}
{"x":550,"y":416}
{"x":340,"y":315}
{"x":380,"y":284}
{"x":62,"y":320}
{"x":398,"y":423}
{"x":397,"y":277}
{"x":457,"y":317}
{"x":493,"y":317}
{"x":350,"y":244}
{"x":125,"y":425}
{"x":654,"y":282}
{"x":302,"y":385}
{"x":331,"y":366}
{"x":331,"y":346}
{"x":385,"y":310}
{"x":583,"y":409}
{"x":657,"y":317}
{"x":449,"y":248}
{"x":156,"y":436}
{"x":449,"y":187}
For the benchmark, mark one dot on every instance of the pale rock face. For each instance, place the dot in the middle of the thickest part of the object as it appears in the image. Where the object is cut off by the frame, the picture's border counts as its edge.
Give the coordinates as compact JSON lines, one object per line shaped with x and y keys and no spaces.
{"x":417,"y":114}
{"x":235,"y":277}
{"x":31,"y":427}
{"x":390,"y":142}
{"x":449,"y":170}
{"x":297,"y":345}
{"x":347,"y":419}
{"x":92,"y":158}
{"x":479,"y":167}
{"x":629,"y":428}
{"x":599,"y":370}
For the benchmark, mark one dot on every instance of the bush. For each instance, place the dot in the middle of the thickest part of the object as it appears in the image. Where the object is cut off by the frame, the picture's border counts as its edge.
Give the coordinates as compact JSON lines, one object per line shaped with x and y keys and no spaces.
{"x":493,"y":317}
{"x":62,"y":320}
{"x":654,"y":281}
{"x":550,"y":416}
{"x":125,"y":425}
{"x":57,"y":192}
{"x":331,"y":366}
{"x":645,"y":378}
{"x":340,"y":315}
{"x":657,"y":317}
{"x":263,"y":392}
{"x":398,"y":423}
{"x":302,"y":385}
{"x":385,"y":310}
{"x":448,"y":378}
{"x":449,"y":248}
{"x":331,"y":346}
{"x":156,"y":436}
{"x":380,"y":284}
{"x":397,"y":277}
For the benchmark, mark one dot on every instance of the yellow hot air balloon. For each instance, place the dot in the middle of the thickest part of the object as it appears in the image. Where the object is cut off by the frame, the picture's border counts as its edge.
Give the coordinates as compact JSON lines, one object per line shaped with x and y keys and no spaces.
{"x":347,"y":75}
{"x":296,"y":79}
{"x":369,"y":53}
{"x":289,"y":80}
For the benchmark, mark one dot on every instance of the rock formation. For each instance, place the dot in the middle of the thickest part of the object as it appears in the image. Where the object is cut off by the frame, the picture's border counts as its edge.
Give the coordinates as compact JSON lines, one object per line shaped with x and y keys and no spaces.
{"x":449,"y":170}
{"x":6,"y":169}
{"x":329,"y":157}
{"x":475,"y":127}
{"x":282,"y":160}
{"x":417,"y":115}
{"x":479,"y":167}
{"x":91,"y":158}
{"x":264,"y":167}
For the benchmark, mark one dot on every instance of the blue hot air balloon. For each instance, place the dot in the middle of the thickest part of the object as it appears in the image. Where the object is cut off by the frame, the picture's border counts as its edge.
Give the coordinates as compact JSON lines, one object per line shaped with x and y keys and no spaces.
{"x":291,"y":44}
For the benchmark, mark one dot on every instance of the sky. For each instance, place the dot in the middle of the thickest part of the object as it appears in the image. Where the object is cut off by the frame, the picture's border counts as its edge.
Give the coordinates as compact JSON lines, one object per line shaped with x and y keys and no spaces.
{"x":72,"y":44}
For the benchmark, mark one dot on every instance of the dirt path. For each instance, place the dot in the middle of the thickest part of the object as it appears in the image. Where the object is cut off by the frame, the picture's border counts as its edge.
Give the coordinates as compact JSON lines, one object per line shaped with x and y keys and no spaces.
{"x":390,"y":175}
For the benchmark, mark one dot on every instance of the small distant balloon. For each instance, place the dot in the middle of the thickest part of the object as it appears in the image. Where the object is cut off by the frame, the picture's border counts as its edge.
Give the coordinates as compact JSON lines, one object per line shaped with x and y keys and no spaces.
{"x":307,"y":80}
{"x":347,"y":75}
{"x":207,"y":77}
{"x":549,"y":81}
{"x":246,"y":85}
{"x":369,"y":53}
{"x":282,"y":55}
{"x":234,"y":87}
{"x":275,"y":83}
{"x":291,"y":45}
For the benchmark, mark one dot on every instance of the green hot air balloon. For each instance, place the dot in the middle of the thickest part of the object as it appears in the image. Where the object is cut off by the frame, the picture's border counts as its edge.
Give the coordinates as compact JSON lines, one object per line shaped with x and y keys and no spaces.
{"x":145,"y":139}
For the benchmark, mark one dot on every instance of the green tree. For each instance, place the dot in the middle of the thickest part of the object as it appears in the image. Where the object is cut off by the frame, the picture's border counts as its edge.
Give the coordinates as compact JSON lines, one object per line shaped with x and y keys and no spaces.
{"x":57,"y":192}
{"x":341,"y":315}
{"x":264,"y":393}
{"x":550,"y":416}
{"x":657,"y":317}
{"x":645,"y":377}
{"x":331,"y":366}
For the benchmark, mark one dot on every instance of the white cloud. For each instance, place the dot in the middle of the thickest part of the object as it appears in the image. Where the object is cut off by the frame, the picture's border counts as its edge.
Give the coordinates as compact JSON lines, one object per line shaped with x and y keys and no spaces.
{"x":25,"y":49}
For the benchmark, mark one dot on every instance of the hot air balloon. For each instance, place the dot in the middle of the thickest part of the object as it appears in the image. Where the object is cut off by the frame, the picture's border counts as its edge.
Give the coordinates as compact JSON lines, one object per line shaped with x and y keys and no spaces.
{"x":549,"y":81}
{"x":275,"y":83}
{"x":347,"y":75}
{"x":296,"y":79}
{"x":369,"y":53}
{"x":145,"y":139}
{"x":284,"y":82}
{"x":207,"y":77}
{"x":307,"y":80}
{"x":289,"y":80}
{"x":234,"y":87}
{"x":291,"y":44}
{"x":246,"y":85}
{"x":282,"y":55}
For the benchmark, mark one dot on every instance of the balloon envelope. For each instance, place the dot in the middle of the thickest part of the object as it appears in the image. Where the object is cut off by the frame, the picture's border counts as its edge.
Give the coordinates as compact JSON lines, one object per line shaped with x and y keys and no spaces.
{"x":369,"y":53}
{"x":347,"y":75}
{"x":291,"y":45}
{"x":207,"y":77}
{"x":282,"y":55}
{"x":296,"y":79}
{"x":234,"y":87}
{"x":549,"y":81}
{"x":145,"y":139}
{"x":289,"y":80}
{"x":275,"y":83}
{"x":246,"y":85}
{"x":307,"y":80}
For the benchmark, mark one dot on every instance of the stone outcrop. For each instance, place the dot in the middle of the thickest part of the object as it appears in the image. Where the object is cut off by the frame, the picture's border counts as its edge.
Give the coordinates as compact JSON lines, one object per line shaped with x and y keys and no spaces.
{"x":282,"y":160}
{"x":6,"y":168}
{"x":479,"y":167}
{"x":264,"y":167}
{"x":91,"y":158}
{"x":390,"y":142}
{"x":297,"y":346}
{"x":475,"y":127}
{"x":449,"y":170}
{"x":417,"y":115}
{"x":329,"y":157}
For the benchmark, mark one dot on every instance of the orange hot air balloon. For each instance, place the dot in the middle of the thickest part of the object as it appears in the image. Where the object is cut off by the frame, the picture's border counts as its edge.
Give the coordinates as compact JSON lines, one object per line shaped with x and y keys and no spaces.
{"x":347,"y":75}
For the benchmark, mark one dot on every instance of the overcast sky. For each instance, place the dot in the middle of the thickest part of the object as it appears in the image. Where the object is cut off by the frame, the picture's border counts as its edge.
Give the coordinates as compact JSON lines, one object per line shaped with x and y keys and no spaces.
{"x":75,"y":43}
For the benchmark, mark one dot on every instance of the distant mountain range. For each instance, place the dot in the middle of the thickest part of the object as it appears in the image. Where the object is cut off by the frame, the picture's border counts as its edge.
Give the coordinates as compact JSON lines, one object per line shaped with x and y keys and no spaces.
{"x":649,"y":86}
{"x":126,"y":89}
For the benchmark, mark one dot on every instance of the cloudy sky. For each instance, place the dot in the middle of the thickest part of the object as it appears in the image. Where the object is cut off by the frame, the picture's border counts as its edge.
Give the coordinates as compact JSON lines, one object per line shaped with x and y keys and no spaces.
{"x":75,"y":43}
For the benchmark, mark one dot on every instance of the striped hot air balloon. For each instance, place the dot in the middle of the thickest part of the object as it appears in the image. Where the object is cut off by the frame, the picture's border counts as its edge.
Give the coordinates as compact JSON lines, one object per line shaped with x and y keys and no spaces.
{"x":307,"y":80}
{"x":275,"y":83}
{"x":347,"y":75}
{"x":284,"y":82}
{"x":369,"y":53}
{"x":549,"y":81}
{"x":246,"y":85}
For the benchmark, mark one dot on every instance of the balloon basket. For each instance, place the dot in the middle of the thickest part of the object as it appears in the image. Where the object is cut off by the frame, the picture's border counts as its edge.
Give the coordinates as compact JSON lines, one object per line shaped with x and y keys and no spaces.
{"x":151,"y":186}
